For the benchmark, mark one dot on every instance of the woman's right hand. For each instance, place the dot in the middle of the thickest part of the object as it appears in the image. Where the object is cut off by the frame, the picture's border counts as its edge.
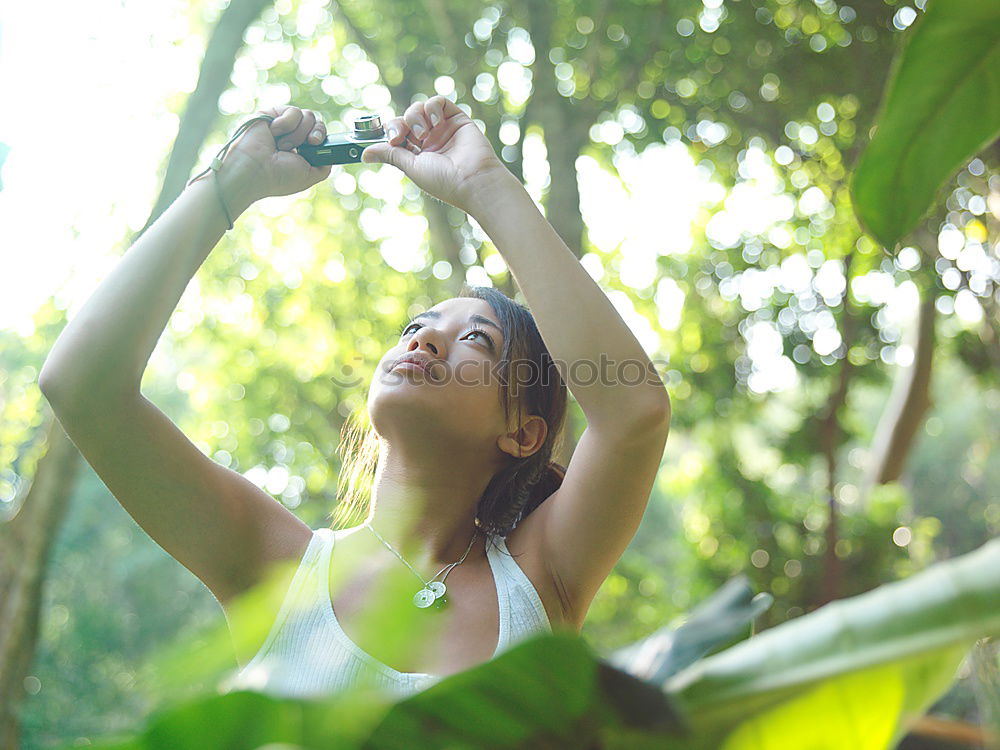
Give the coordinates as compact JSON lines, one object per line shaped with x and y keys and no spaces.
{"x":265,"y":156}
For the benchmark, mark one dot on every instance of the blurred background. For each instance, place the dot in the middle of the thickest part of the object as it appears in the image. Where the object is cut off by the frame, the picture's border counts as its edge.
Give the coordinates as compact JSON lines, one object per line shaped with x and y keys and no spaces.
{"x":836,"y":411}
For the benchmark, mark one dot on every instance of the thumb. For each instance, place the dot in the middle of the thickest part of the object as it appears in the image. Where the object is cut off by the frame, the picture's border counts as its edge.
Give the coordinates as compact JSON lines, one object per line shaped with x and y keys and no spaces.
{"x":383,"y":153}
{"x":319,"y":174}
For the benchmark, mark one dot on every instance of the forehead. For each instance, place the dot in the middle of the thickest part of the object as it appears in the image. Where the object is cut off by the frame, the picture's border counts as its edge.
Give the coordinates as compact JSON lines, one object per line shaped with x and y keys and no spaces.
{"x":460,"y":309}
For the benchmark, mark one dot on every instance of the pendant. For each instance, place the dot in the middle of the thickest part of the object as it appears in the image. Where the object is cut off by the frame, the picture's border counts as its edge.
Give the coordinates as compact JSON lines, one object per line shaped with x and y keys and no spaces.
{"x":424,"y":598}
{"x":440,"y":602}
{"x":438,"y":588}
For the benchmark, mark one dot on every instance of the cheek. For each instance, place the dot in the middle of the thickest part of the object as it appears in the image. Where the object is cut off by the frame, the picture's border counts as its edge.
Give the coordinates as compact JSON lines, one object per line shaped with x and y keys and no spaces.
{"x":489,"y":408}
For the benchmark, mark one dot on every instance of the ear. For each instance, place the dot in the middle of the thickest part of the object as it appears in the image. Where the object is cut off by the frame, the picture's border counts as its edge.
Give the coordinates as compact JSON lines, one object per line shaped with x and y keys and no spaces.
{"x":525,"y":440}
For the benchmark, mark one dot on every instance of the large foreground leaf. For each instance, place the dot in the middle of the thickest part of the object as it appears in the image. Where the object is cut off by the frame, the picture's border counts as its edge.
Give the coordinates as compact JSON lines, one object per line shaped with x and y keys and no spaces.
{"x":869,"y":664}
{"x":869,"y":709}
{"x":942,"y":106}
{"x":251,"y":720}
{"x":853,"y":674}
{"x":549,"y":691}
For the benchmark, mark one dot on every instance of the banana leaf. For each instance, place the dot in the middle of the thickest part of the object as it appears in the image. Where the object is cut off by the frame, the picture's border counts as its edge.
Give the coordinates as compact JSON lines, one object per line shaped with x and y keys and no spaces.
{"x":548,"y":691}
{"x":854,"y":673}
{"x":940,"y":108}
{"x":719,"y":621}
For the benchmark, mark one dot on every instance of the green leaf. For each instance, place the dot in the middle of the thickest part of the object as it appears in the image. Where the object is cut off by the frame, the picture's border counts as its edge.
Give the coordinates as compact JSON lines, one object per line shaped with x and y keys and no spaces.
{"x":245,"y":720}
{"x":865,"y":710}
{"x":854,"y":673}
{"x":873,"y":661}
{"x":717,"y":622}
{"x":941,"y":107}
{"x":549,"y":689}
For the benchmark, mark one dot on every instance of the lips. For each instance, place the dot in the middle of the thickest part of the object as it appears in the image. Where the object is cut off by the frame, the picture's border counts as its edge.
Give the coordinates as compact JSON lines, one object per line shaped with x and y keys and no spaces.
{"x":422,"y":362}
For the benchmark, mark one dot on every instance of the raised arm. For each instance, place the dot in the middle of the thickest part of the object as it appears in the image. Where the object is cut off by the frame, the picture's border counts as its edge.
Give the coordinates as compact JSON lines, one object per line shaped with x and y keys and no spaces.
{"x":211,"y":519}
{"x":586,"y":524}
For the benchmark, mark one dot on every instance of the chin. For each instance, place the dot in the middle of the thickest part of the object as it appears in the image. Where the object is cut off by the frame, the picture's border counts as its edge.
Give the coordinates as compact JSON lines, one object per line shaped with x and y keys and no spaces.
{"x":406,"y":417}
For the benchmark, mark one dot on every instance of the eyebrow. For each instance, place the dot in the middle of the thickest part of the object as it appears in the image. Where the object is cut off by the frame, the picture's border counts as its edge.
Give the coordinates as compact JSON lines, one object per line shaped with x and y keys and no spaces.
{"x":474,"y":318}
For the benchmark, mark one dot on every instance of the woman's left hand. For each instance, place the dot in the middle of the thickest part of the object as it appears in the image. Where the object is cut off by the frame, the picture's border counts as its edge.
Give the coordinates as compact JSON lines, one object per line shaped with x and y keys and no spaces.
{"x":441,"y":149}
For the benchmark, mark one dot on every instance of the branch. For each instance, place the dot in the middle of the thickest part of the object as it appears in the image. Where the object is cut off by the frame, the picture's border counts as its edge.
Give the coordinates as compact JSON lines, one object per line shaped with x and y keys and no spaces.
{"x":25,"y":543}
{"x":908,"y":404}
{"x":830,"y":435}
{"x":960,"y":732}
{"x":201,"y":110}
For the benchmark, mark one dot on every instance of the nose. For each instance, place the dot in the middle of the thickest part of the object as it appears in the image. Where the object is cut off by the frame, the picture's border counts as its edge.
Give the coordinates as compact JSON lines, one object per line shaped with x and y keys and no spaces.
{"x":423,"y":336}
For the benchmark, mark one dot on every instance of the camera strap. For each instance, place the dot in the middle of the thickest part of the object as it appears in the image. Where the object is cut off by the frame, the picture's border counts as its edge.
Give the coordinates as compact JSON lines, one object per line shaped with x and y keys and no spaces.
{"x":216,"y":164}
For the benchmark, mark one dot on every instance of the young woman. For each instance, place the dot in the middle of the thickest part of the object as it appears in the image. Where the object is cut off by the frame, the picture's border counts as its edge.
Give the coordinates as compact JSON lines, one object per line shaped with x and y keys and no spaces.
{"x":467,"y":518}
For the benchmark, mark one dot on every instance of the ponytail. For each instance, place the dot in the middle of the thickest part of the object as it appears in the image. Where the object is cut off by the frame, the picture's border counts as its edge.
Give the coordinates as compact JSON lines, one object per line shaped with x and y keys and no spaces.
{"x":551,"y":479}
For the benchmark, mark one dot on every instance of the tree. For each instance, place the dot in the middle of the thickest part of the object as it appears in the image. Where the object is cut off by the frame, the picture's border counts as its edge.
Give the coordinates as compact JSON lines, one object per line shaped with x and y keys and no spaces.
{"x":779,"y":95}
{"x":27,"y":537}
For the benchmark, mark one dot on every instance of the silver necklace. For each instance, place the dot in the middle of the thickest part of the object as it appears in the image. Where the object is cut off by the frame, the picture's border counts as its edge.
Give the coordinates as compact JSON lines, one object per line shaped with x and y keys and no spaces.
{"x":433,"y":592}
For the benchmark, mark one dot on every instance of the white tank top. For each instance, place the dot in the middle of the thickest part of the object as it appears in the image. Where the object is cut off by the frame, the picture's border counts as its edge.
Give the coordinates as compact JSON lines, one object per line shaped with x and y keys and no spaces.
{"x":307,"y":653}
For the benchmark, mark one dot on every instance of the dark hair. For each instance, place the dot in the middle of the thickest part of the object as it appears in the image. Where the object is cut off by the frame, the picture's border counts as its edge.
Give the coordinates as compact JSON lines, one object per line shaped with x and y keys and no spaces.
{"x":524,"y":483}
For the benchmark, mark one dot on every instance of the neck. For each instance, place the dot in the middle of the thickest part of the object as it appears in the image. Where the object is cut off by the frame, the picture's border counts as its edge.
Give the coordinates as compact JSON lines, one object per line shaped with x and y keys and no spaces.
{"x":424,"y":504}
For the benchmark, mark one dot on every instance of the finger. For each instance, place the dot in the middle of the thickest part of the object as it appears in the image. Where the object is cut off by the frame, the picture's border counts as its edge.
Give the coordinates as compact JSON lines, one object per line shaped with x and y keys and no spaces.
{"x":412,"y":146}
{"x":434,"y":109}
{"x":383,"y":153}
{"x":285,"y":124}
{"x":449,"y":109}
{"x":318,"y":134}
{"x":301,"y":132}
{"x":272,"y":112}
{"x":414,"y":117}
{"x":304,"y":129}
{"x":286,"y":119}
{"x":396,"y":131}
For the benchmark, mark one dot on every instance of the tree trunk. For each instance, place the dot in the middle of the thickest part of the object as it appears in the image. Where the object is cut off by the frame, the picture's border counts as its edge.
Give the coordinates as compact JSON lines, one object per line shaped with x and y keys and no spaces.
{"x":202,"y":108}
{"x":26,"y":540}
{"x":565,"y":125}
{"x":25,"y":543}
{"x":831,"y":435}
{"x":908,"y":404}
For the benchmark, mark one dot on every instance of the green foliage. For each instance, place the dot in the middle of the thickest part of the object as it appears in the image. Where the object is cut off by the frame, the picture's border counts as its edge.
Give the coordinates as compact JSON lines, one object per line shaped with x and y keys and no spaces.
{"x":898,"y":646}
{"x":111,"y":597}
{"x":22,"y":407}
{"x":716,"y":623}
{"x":868,"y":710}
{"x":550,"y":687}
{"x":853,"y":674}
{"x":941,"y":107}
{"x":268,"y":352}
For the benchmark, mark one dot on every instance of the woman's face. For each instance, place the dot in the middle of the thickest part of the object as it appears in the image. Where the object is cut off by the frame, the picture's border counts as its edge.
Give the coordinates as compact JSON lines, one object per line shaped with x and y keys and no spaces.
{"x":457,"y":396}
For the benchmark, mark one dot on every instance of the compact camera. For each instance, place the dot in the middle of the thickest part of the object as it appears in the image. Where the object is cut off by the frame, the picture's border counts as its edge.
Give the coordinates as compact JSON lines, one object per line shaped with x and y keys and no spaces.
{"x":345,"y":148}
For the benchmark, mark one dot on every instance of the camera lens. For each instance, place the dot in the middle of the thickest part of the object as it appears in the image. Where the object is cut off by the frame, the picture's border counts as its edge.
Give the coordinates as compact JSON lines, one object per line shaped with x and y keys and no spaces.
{"x":368,"y":126}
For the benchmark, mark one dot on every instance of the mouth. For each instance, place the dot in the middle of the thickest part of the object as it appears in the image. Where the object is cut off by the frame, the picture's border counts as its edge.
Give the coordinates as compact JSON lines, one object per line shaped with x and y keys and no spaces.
{"x":414,"y":366}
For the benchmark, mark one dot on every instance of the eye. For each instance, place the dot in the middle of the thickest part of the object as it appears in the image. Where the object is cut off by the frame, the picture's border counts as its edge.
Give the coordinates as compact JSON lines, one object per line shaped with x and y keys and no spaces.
{"x":489,"y":339}
{"x":485,"y":335}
